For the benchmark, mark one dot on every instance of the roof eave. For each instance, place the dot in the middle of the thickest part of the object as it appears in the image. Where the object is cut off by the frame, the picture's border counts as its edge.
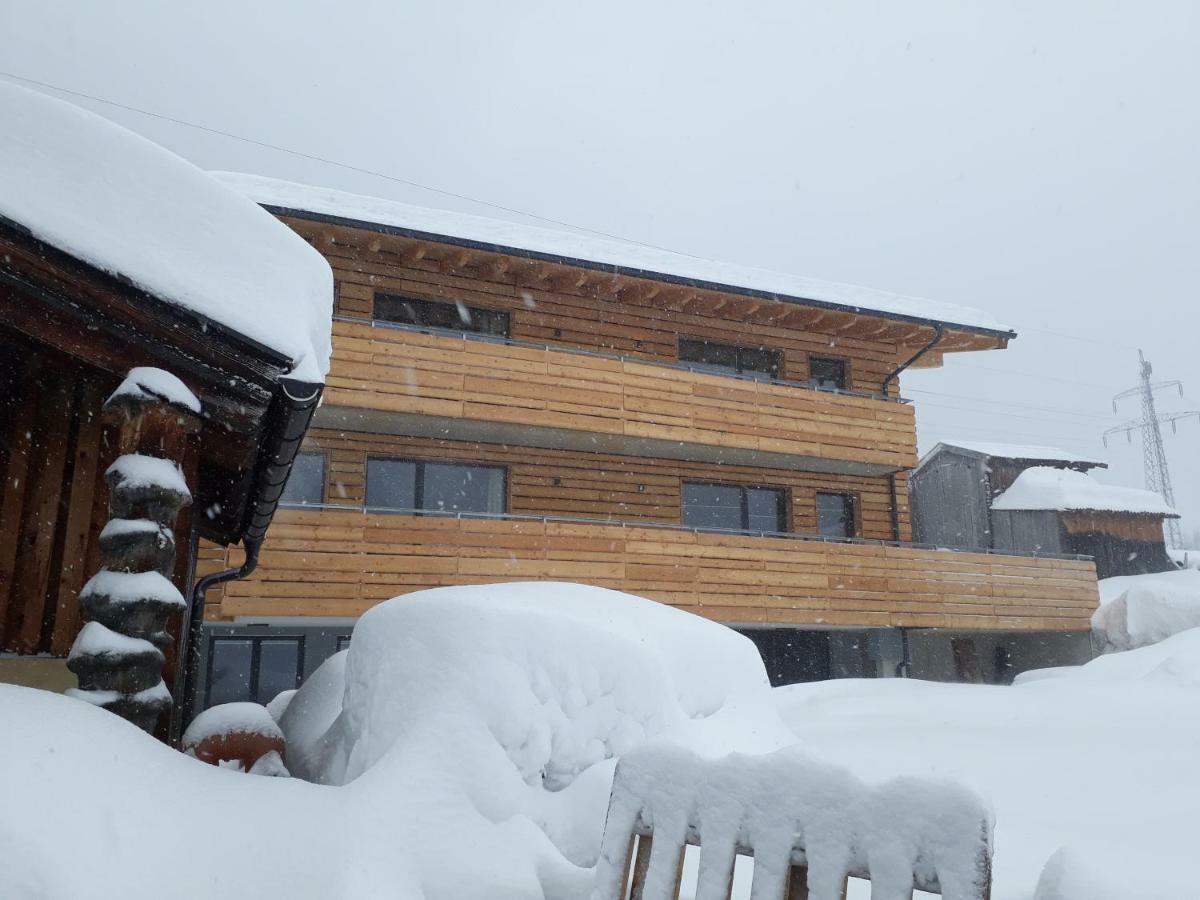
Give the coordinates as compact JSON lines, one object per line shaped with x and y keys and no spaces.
{"x":629,"y":271}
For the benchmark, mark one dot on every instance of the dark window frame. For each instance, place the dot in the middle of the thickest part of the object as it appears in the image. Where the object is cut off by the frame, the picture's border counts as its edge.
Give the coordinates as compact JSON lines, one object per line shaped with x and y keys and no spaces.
{"x":419,"y":484}
{"x":481,"y":312}
{"x":738,"y":349}
{"x":844,"y":362}
{"x":855,"y":510}
{"x":324,"y":456}
{"x":785,"y":504}
{"x":256,"y":641}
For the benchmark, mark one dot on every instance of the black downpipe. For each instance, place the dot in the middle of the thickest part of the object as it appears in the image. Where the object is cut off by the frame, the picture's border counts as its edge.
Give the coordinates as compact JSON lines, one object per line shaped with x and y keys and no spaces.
{"x":292,"y":410}
{"x":885,"y":389}
{"x":190,"y":658}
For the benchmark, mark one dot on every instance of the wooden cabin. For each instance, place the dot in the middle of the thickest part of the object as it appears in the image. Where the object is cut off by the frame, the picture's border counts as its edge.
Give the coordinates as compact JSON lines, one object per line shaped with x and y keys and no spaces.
{"x":116,"y":254}
{"x":510,"y":403}
{"x":1062,"y":511}
{"x":955,"y":483}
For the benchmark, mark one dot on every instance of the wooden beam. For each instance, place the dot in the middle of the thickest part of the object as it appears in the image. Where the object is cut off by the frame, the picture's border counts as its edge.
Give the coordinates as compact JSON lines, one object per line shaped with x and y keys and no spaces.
{"x":77,"y":532}
{"x":19,"y":440}
{"x":40,"y":525}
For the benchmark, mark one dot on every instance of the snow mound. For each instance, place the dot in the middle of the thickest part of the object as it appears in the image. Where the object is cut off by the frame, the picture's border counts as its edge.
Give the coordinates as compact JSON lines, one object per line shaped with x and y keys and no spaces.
{"x":532,"y":664}
{"x":1174,"y":662}
{"x":129,"y":207}
{"x":132,"y":587}
{"x":148,"y":382}
{"x":1139,"y":610}
{"x":96,"y":639}
{"x":499,"y":710}
{"x":231,"y":718}
{"x":136,"y":470}
{"x":83,"y":782}
{"x":1065,"y":490}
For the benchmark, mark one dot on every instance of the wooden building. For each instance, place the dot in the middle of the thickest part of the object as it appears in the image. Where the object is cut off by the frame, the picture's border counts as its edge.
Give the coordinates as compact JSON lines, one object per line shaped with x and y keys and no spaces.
{"x":1063,"y":511}
{"x":955,"y":483}
{"x":116,"y":254}
{"x":510,"y":403}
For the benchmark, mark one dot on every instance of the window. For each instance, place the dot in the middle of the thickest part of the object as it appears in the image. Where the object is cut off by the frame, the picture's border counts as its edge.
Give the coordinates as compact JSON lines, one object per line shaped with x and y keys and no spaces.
{"x":306,"y":483}
{"x":253,"y":668}
{"x":406,"y":485}
{"x":343,"y":642}
{"x":835,"y":515}
{"x":440,"y":314}
{"x":829,"y":374}
{"x":754,"y":361}
{"x":733,"y":507}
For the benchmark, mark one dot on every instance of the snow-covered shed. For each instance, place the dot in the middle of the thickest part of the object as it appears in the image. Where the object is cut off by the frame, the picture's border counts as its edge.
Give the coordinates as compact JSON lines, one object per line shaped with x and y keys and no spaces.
{"x":1064,"y":511}
{"x":953,"y":486}
{"x":117,"y":255}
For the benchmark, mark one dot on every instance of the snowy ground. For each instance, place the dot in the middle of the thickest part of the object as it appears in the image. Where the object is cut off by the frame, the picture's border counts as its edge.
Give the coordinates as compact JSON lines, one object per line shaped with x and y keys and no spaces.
{"x":1101,"y":759}
{"x":467,"y":746}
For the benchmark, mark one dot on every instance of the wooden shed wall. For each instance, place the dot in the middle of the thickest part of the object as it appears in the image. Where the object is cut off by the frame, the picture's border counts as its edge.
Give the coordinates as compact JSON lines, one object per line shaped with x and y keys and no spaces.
{"x":950,"y":502}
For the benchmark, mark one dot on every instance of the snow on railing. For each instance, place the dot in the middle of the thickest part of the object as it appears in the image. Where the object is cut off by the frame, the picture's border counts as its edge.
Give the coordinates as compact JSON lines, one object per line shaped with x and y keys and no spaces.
{"x":809,"y":827}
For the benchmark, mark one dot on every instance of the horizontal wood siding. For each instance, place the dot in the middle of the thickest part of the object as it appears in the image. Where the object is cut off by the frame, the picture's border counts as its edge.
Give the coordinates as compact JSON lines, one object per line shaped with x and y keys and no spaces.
{"x":599,"y":486}
{"x":326,"y":563}
{"x":575,"y":314}
{"x":439,"y":375}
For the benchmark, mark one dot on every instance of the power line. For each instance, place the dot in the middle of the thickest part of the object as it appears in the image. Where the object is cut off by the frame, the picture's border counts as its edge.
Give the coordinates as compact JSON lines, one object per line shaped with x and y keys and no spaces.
{"x":1039,"y":376}
{"x":1052,"y":409}
{"x":1007,"y":415}
{"x":341,"y":165}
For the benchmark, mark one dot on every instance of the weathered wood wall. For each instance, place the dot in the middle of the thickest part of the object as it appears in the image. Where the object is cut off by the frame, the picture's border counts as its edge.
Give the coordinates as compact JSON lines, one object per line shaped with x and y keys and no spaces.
{"x":325,"y":563}
{"x":597,"y":485}
{"x":53,"y":453}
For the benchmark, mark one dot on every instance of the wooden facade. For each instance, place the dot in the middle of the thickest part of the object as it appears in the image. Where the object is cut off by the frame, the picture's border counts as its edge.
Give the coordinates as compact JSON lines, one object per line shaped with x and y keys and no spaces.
{"x":69,"y":333}
{"x":598,"y":423}
{"x":338,"y":563}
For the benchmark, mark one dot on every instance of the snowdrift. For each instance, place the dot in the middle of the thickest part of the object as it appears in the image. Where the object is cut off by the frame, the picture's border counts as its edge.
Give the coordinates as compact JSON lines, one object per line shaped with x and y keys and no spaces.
{"x":1139,"y":610}
{"x":466,"y":742}
{"x":1099,"y":759}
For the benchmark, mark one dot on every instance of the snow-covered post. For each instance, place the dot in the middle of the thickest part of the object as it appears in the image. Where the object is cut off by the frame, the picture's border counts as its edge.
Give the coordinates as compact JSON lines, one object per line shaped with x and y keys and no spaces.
{"x":118,"y":656}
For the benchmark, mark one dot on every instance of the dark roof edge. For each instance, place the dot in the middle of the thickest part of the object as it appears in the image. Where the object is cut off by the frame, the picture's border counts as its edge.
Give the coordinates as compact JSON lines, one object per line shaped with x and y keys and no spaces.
{"x":632,"y":272}
{"x":166,"y":307}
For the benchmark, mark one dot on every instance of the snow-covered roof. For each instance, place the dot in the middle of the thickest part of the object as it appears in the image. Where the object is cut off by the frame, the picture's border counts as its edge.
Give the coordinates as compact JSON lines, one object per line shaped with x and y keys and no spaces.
{"x":1064,"y":490}
{"x":129,"y":207}
{"x":1020,"y":451}
{"x":615,"y":254}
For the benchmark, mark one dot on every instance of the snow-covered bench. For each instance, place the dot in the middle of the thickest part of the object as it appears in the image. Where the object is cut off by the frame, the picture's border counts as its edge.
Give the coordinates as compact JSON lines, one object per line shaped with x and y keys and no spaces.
{"x":809,"y":826}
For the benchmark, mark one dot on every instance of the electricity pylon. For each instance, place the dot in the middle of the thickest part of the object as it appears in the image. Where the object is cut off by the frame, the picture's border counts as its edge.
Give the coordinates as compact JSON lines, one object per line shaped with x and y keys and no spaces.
{"x":1154,"y":457}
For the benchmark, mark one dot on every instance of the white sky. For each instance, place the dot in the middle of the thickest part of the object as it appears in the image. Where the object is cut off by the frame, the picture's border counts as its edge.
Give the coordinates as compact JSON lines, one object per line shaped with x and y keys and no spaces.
{"x":1037,"y":160}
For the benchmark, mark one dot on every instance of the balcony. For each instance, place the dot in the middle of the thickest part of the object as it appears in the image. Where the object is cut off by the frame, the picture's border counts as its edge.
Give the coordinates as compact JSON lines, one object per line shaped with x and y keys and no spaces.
{"x":417,"y":382}
{"x":339,"y":562}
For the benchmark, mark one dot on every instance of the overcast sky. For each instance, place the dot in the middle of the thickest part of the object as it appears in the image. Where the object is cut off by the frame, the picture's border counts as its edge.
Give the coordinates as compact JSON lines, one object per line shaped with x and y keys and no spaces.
{"x":1037,"y":160}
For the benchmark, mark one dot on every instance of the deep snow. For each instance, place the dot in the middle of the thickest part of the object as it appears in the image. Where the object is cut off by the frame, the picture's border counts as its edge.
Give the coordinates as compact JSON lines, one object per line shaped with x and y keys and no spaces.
{"x":474,"y":743}
{"x":1138,"y":610}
